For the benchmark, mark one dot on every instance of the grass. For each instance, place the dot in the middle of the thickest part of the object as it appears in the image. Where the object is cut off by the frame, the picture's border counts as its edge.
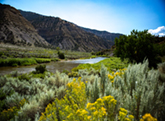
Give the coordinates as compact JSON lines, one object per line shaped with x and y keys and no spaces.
{"x":14,"y":51}
{"x":24,"y":61}
{"x":12,"y":55}
{"x":17,"y":62}
{"x":112,"y":63}
{"x":42,"y":60}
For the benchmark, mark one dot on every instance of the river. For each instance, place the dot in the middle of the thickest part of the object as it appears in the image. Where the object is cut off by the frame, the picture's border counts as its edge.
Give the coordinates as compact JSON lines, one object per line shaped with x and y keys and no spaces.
{"x":52,"y":66}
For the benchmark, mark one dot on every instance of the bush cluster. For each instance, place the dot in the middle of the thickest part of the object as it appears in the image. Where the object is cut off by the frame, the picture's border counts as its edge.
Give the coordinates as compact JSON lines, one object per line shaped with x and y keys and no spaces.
{"x":132,"y":93}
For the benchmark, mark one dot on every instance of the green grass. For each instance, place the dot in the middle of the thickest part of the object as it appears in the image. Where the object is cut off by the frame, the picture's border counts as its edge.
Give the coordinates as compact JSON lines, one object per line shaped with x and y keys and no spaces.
{"x":14,"y":51}
{"x":42,"y":60}
{"x":111,"y":64}
{"x":17,"y":62}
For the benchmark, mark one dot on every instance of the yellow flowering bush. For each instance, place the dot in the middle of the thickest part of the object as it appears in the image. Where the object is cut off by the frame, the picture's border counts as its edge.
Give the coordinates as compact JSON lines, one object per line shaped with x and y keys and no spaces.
{"x":148,"y":117}
{"x":118,"y":73}
{"x":50,"y":113}
{"x":11,"y":112}
{"x":101,"y":108}
{"x":123,"y":115}
{"x":72,"y":106}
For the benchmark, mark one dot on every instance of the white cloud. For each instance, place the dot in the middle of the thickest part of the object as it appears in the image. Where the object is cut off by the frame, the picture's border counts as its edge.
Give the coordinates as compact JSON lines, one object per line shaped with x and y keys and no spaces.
{"x":159,"y":31}
{"x":161,"y":34}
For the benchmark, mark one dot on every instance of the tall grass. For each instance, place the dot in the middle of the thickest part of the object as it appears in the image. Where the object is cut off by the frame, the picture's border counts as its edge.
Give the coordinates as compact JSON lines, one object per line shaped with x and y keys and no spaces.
{"x":17,"y":62}
{"x":22,"y":61}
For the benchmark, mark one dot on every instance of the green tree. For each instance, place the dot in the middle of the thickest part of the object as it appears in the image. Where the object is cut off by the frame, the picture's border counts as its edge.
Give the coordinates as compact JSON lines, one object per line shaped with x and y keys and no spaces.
{"x":137,"y":47}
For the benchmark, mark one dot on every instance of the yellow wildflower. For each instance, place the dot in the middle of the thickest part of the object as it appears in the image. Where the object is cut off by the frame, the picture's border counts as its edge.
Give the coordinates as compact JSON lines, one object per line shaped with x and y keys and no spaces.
{"x":148,"y":117}
{"x":123,"y":110}
{"x":131,"y":117}
{"x":95,"y":113}
{"x":74,"y":80}
{"x":127,"y":119}
{"x":89,"y":117}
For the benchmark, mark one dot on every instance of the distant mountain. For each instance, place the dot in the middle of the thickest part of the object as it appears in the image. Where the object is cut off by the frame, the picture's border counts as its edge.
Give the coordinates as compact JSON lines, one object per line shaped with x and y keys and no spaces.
{"x":15,"y":29}
{"x":104,"y":34}
{"x":66,"y":35}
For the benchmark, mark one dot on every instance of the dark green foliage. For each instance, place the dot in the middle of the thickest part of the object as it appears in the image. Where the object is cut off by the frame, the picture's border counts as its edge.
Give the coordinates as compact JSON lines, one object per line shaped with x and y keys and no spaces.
{"x":1,"y":53}
{"x":99,"y":53}
{"x":38,"y":75}
{"x":161,"y":68}
{"x":42,"y":60}
{"x":160,"y":49}
{"x":2,"y":99}
{"x":160,"y":45}
{"x":55,"y":59}
{"x":137,"y":47}
{"x":65,"y":71}
{"x":61,"y":55}
{"x":2,"y":102}
{"x":17,"y":61}
{"x":40,"y":69}
{"x":24,"y":77}
{"x":73,"y":74}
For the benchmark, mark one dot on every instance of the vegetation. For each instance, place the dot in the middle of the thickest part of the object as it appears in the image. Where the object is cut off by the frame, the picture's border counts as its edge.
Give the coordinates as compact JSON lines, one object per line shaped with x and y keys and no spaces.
{"x":40,"y":68}
{"x":137,"y":47}
{"x":131,"y":93}
{"x":36,"y":52}
{"x":11,"y":55}
{"x":112,"y":64}
{"x":17,"y":61}
{"x":110,"y":90}
{"x":22,"y":61}
{"x":61,"y":55}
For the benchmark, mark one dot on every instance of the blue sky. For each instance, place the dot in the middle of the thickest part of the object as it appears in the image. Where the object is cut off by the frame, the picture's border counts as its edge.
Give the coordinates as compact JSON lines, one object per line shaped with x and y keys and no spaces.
{"x":119,"y":16}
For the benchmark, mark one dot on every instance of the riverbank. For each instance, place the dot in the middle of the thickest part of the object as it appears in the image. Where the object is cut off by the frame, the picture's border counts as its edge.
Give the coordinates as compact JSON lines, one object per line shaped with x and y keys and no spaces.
{"x":14,"y":62}
{"x":62,"y":65}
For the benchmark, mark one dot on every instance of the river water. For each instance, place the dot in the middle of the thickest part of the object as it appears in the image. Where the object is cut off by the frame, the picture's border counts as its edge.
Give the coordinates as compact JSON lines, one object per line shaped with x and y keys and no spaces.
{"x":52,"y":66}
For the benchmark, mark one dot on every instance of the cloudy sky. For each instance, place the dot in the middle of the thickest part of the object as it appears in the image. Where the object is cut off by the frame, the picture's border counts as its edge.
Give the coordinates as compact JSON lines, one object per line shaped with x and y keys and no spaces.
{"x":119,"y":16}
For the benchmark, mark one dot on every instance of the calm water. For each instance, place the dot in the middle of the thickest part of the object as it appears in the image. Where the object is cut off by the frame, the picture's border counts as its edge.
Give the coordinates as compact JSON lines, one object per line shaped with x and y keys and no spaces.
{"x":53,"y":66}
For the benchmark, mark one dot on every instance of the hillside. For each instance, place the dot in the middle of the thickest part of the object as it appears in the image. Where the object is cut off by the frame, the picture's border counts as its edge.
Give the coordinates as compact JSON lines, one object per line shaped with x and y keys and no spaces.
{"x":66,"y":35}
{"x":104,"y":34}
{"x":15,"y":29}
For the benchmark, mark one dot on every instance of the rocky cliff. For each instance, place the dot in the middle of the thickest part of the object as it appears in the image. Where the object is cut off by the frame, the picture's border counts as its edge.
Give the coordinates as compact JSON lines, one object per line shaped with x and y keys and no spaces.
{"x":15,"y":29}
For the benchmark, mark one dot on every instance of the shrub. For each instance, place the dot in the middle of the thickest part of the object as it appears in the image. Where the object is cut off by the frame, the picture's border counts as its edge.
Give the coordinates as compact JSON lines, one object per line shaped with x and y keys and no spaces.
{"x":24,"y":77}
{"x":11,"y":112}
{"x":74,"y":106}
{"x":61,"y":55}
{"x":65,"y":71}
{"x":73,"y":74}
{"x":161,"y":68}
{"x":40,"y":68}
{"x":38,"y":75}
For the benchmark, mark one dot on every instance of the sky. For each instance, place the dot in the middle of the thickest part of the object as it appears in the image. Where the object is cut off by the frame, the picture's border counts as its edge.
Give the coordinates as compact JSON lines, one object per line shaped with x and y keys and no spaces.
{"x":117,"y":16}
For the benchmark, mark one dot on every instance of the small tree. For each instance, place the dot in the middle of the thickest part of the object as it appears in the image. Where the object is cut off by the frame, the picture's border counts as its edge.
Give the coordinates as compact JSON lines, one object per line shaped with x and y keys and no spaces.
{"x":40,"y":68}
{"x":137,"y":47}
{"x":61,"y":55}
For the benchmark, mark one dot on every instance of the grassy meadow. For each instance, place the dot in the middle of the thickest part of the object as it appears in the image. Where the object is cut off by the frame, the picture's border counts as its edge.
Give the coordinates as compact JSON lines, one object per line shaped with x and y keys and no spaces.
{"x":12,"y":55}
